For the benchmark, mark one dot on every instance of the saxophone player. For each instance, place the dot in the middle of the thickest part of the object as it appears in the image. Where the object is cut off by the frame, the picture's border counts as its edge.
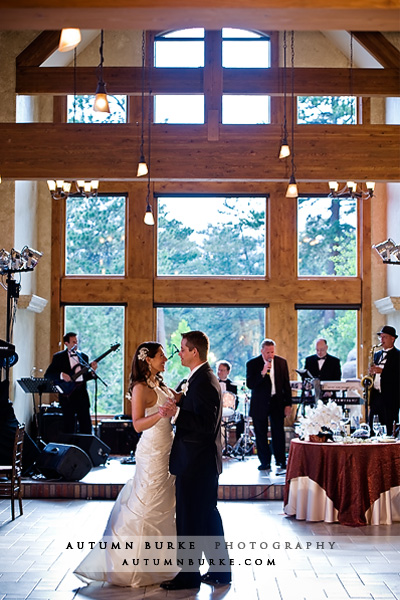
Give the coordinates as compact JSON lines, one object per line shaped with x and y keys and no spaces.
{"x":385,"y":391}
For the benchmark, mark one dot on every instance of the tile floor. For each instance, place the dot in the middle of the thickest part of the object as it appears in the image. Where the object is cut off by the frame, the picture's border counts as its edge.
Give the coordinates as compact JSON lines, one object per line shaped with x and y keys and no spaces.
{"x":363,"y":563}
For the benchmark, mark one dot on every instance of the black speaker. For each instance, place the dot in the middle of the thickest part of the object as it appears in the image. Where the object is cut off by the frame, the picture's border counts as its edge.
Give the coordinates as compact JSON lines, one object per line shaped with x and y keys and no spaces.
{"x":97,"y":450}
{"x":70,"y":462}
{"x":51,"y":425}
{"x":119,"y":435}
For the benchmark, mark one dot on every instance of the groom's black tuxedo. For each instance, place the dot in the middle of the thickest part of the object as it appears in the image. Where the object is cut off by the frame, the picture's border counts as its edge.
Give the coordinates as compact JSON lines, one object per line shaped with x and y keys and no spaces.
{"x":196,"y":460}
{"x":75,"y":406}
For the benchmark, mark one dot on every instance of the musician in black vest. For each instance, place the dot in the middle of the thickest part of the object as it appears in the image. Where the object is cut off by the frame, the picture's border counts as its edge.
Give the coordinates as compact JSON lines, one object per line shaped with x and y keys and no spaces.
{"x":196,"y":460}
{"x":385,"y":392}
{"x":75,"y":407}
{"x":322,"y":365}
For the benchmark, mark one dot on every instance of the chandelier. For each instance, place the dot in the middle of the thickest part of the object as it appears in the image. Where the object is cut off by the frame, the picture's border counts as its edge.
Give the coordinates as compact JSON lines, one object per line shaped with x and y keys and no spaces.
{"x":60,"y":189}
{"x":351,"y":189}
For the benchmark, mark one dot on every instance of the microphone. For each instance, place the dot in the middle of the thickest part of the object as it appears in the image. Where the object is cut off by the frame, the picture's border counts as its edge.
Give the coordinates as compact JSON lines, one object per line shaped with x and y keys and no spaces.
{"x":73,"y":350}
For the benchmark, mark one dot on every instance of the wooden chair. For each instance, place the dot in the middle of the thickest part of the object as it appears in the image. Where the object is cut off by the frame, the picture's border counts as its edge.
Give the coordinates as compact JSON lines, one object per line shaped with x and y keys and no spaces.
{"x":11,"y":488}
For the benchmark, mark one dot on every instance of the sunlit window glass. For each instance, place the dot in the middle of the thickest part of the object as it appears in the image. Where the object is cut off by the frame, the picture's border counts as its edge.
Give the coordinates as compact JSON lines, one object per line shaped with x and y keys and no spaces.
{"x":338,"y":327}
{"x":245,"y":110}
{"x":245,"y":49}
{"x":179,"y":108}
{"x":327,"y":237}
{"x":99,"y":328}
{"x":80,"y":110}
{"x":337,"y":110}
{"x":183,"y":48}
{"x":211,"y":236}
{"x":235,"y":335}
{"x":95,"y":235}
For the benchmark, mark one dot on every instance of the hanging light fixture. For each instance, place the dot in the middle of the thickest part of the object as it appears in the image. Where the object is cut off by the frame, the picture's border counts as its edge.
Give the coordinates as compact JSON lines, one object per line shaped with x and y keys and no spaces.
{"x":69,"y":39}
{"x":101,"y":101}
{"x":351,"y":189}
{"x":148,"y":216}
{"x":292,"y":191}
{"x":284,"y":151}
{"x":60,"y":189}
{"x":142,"y":166}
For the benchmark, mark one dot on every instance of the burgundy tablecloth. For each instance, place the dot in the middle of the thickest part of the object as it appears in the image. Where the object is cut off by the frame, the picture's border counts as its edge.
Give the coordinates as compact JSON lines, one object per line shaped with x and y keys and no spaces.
{"x":352,"y":475}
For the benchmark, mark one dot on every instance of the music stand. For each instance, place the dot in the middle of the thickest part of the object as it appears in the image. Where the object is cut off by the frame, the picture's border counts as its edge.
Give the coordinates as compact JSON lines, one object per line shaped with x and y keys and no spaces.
{"x":38,"y":385}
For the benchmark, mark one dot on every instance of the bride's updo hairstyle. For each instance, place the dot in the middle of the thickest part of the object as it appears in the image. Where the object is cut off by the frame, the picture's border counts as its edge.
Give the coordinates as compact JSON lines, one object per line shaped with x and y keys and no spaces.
{"x":140,"y":370}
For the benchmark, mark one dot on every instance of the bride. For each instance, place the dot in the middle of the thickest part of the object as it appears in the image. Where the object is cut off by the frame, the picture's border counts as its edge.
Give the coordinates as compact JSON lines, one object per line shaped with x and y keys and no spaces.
{"x":145,"y":506}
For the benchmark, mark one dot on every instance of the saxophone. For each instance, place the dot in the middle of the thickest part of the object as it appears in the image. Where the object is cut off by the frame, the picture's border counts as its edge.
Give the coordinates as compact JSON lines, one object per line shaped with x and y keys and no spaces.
{"x":368,"y":381}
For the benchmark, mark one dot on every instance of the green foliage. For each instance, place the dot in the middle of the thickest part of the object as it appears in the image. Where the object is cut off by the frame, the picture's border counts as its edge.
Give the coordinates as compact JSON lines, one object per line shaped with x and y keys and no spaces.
{"x":98,"y":328}
{"x":95,"y":240}
{"x":80,"y":110}
{"x":338,"y":110}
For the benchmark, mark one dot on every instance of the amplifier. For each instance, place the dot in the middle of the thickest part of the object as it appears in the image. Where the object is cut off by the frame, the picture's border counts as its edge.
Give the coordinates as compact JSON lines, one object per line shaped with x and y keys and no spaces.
{"x":119,"y":435}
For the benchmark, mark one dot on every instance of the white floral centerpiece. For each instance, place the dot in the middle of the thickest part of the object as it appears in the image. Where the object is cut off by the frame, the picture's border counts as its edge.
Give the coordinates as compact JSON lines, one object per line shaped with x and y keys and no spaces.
{"x":320,"y":421}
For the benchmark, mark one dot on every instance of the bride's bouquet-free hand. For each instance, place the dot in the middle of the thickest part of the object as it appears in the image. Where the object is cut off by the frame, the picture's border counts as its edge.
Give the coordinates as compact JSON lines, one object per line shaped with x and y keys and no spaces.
{"x":320,"y":422}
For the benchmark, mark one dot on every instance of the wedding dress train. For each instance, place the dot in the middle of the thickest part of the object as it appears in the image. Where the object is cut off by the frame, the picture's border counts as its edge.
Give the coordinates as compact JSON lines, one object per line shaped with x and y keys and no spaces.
{"x":144,"y":508}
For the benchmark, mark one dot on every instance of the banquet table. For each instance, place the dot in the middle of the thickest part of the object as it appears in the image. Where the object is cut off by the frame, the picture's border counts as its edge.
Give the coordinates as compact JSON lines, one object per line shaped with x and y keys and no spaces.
{"x":355,"y":484}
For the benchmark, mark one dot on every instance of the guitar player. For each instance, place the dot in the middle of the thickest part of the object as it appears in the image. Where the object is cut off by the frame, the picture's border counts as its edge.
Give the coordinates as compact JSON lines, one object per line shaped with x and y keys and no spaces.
{"x":75,"y":404}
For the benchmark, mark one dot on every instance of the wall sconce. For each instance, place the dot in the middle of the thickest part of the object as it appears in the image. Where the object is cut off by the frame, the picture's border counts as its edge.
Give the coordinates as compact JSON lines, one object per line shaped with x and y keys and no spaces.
{"x":101,"y":101}
{"x":69,"y":39}
{"x":389,"y":252}
{"x":60,"y":189}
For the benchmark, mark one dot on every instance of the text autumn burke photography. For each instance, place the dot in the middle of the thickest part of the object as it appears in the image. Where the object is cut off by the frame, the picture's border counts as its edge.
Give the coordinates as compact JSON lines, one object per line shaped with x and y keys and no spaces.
{"x":169,"y":554}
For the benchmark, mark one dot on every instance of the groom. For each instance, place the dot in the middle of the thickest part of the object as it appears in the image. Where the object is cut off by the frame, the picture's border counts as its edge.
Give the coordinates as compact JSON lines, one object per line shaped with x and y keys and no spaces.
{"x":196,"y":460}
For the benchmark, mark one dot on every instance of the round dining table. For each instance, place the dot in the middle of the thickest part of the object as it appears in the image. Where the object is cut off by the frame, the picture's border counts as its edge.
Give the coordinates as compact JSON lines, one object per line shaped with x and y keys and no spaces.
{"x":352,"y":483}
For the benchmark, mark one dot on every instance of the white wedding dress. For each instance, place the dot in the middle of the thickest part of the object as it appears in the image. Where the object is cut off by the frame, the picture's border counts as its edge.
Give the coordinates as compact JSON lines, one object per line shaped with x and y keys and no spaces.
{"x":144,"y":508}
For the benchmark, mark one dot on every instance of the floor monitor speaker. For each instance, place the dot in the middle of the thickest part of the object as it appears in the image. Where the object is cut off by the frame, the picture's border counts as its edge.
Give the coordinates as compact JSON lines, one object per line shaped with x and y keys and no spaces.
{"x":97,"y":450}
{"x":61,"y":460}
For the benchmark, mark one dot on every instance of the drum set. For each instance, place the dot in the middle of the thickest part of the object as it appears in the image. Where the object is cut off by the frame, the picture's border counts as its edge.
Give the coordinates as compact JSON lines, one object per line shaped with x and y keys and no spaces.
{"x":232,"y":418}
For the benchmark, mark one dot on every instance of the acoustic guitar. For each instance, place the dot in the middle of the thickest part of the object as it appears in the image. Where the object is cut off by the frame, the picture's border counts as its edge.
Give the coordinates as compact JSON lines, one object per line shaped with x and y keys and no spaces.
{"x":70,"y":386}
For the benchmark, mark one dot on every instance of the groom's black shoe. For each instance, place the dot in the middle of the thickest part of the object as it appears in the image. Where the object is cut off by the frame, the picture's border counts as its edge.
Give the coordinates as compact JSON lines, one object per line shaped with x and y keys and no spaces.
{"x":182,"y":582}
{"x":216,"y":578}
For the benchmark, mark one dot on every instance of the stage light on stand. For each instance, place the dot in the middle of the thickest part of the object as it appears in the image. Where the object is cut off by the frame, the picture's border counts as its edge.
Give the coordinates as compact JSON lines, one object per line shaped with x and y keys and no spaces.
{"x":69,"y":39}
{"x":15,"y":262}
{"x":388,"y":251}
{"x":31,"y":257}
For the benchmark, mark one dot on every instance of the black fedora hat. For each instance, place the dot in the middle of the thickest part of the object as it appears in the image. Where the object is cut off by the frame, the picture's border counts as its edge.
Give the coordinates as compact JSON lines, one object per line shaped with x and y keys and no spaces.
{"x":389,"y":330}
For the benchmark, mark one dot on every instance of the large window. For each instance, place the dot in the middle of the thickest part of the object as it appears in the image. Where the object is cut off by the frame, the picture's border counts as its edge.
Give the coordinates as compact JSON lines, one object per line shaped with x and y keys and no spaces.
{"x":211,"y":236}
{"x":182,"y":48}
{"x":337,"y":110}
{"x":80,"y":110}
{"x":235,"y":335}
{"x":327,"y":237}
{"x":245,"y":110}
{"x":99,"y":328}
{"x":245,"y":49}
{"x":338,"y":327}
{"x":95,"y":235}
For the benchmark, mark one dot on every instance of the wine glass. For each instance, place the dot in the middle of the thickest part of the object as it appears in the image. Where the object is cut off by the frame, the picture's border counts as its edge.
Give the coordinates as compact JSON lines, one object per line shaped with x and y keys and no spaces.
{"x":376,"y":426}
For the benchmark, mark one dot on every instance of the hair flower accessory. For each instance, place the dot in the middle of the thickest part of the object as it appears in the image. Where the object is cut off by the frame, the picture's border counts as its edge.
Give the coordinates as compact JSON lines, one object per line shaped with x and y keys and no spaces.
{"x":143,"y":353}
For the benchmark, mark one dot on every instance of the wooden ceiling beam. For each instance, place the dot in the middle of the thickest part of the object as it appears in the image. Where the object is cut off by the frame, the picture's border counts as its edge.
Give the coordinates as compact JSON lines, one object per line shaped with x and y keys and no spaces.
{"x":379,"y":47}
{"x":305,"y":15}
{"x":39,"y":50}
{"x":127,"y":80}
{"x":243,"y":153}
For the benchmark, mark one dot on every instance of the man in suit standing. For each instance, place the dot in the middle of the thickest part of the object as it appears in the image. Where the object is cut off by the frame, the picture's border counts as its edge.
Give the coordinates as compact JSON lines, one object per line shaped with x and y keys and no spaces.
{"x":75,"y":406}
{"x":267,"y":376}
{"x":385,"y":392}
{"x":322,"y":365}
{"x":196,"y":460}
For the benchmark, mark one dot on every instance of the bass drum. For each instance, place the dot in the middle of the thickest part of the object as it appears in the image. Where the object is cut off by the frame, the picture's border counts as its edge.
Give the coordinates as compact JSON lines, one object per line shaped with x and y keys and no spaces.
{"x":228,"y":405}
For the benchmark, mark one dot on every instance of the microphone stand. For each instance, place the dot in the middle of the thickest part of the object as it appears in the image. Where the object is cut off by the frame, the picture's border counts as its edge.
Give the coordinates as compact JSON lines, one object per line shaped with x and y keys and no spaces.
{"x":96,"y":377}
